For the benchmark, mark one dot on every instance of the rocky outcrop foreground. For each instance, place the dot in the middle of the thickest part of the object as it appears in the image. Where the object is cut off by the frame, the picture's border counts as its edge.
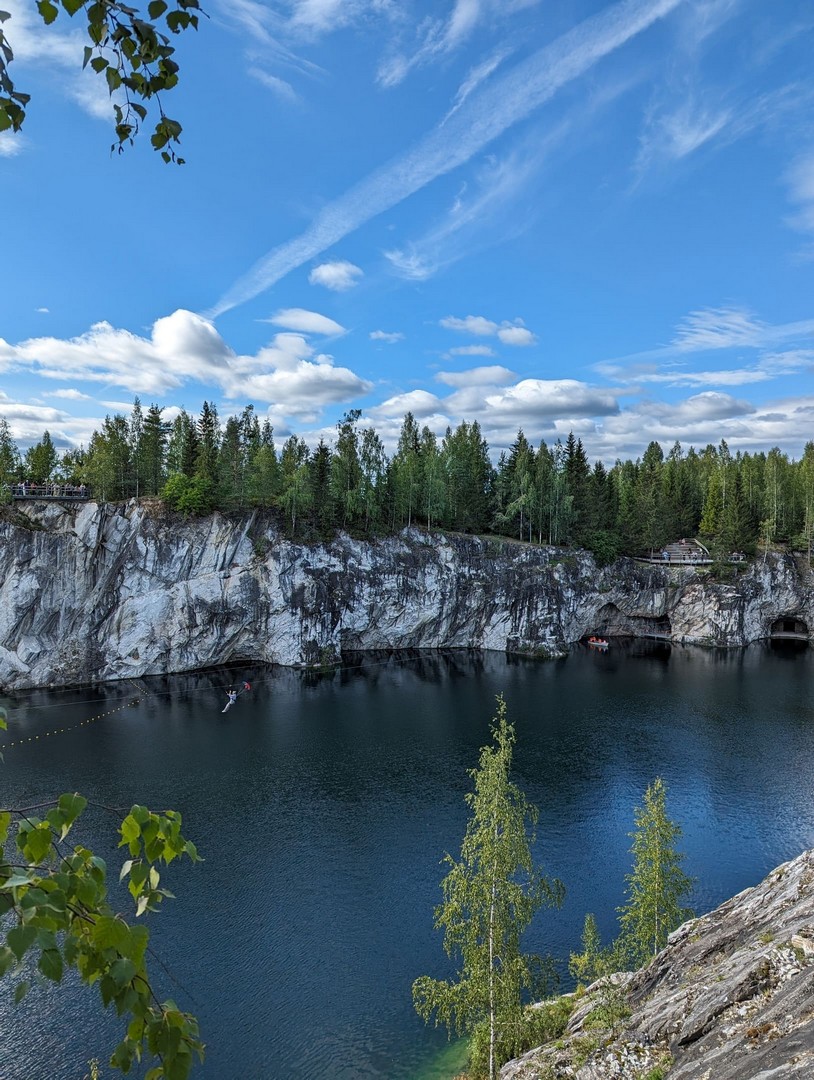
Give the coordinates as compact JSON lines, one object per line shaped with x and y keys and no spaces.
{"x":731,"y":997}
{"x":98,"y":592}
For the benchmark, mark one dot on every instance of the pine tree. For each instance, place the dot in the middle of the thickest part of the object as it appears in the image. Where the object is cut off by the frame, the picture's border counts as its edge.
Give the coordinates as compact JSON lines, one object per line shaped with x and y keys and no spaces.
{"x":657,"y":884}
{"x":490,"y":896}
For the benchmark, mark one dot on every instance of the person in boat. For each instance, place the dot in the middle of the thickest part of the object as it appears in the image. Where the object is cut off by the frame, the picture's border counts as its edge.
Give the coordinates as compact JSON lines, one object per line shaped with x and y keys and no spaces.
{"x":232,"y":698}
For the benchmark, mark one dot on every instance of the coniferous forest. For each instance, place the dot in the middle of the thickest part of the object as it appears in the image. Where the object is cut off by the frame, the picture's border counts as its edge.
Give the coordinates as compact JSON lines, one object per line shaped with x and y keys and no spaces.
{"x":544,"y":494}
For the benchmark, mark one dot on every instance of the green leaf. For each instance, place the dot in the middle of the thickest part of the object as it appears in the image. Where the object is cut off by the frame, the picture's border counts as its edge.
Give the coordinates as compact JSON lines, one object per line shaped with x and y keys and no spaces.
{"x":19,"y":938}
{"x":5,"y":822}
{"x":47,"y":10}
{"x":51,"y":964}
{"x":110,"y":933}
{"x":72,"y":6}
{"x":114,"y":79}
{"x":15,"y":881}
{"x":121,"y":972}
{"x":98,"y":63}
{"x":130,"y":830}
{"x":20,"y":992}
{"x":38,"y":843}
{"x":7,"y":959}
{"x":156,"y":9}
{"x":71,"y":806}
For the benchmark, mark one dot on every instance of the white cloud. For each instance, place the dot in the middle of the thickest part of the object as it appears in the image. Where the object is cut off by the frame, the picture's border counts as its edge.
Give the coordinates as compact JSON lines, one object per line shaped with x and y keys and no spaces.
{"x":11,"y":144}
{"x":472,"y":350}
{"x":69,"y":395}
{"x":532,"y":399}
{"x":515,"y":335}
{"x":185,"y":347}
{"x":421,"y":403}
{"x":338,"y":276}
{"x":472,"y":324}
{"x":384,"y":335}
{"x":43,"y":311}
{"x":480,"y":376}
{"x":509,"y":333}
{"x":309,"y":322}
{"x":490,"y":110}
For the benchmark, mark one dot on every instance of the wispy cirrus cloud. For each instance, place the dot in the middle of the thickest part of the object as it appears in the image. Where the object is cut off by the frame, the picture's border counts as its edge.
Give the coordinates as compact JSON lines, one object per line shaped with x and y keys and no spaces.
{"x":489,"y":111}
{"x":280,"y":87}
{"x":436,"y":37}
{"x":478,"y":74}
{"x":709,"y":115}
{"x":800,"y":180}
{"x":716,"y":330}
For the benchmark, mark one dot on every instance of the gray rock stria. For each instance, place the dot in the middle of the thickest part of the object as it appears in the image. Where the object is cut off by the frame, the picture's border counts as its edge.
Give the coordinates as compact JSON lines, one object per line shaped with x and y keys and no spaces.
{"x":99,"y":592}
{"x":731,"y":997}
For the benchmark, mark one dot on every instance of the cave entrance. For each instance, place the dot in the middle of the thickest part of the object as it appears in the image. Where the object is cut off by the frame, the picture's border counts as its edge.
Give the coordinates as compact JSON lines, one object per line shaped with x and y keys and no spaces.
{"x":789,"y":628}
{"x":611,"y":622}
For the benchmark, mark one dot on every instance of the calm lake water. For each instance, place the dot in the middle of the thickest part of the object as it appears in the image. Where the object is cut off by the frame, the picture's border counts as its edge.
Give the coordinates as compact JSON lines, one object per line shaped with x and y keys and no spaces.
{"x":323,"y":806}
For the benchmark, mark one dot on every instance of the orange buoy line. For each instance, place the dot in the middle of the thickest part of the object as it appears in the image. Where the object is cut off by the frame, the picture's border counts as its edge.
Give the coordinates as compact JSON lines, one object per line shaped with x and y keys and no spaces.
{"x":71,"y":727}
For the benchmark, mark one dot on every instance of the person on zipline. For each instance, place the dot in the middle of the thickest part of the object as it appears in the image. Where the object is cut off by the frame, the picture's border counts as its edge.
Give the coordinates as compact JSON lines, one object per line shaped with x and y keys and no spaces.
{"x":232,"y":696}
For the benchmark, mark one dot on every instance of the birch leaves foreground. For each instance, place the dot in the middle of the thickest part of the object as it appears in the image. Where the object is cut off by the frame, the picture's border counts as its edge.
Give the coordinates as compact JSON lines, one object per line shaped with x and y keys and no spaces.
{"x":491,"y":895}
{"x":56,"y":915}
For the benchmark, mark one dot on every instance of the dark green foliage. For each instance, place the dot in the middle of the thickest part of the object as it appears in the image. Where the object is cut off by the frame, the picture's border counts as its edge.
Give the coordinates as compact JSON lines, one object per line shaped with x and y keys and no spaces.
{"x":132,"y":53}
{"x":41,"y":460}
{"x":189,"y":495}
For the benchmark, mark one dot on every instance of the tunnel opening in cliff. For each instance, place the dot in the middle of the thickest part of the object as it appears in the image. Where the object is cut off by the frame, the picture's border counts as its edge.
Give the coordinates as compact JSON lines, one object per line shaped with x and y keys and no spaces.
{"x":612,"y":622}
{"x":789,"y":628}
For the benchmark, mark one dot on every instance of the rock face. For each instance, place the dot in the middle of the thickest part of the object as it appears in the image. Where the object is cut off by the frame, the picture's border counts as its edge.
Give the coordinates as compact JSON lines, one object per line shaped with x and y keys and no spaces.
{"x":101,"y":592}
{"x":731,"y":997}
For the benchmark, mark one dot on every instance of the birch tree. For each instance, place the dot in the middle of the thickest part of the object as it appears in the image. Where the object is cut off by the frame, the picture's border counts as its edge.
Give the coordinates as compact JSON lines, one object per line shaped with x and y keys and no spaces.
{"x":491,"y":895}
{"x":657,"y":884}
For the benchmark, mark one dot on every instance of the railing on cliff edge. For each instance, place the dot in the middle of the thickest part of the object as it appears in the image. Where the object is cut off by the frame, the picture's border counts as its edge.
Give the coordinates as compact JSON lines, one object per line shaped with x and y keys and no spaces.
{"x":52,"y":492}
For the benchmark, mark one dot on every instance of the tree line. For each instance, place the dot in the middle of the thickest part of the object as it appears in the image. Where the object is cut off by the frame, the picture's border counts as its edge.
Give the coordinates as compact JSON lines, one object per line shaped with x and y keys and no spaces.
{"x":544,"y":494}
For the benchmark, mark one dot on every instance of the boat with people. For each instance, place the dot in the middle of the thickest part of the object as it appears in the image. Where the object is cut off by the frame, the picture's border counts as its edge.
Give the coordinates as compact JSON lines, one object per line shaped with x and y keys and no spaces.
{"x":597,"y":642}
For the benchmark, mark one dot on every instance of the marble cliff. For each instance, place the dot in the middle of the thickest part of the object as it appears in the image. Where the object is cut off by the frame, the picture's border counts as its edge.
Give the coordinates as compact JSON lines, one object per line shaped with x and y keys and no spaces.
{"x":731,"y":997}
{"x":100,"y":592}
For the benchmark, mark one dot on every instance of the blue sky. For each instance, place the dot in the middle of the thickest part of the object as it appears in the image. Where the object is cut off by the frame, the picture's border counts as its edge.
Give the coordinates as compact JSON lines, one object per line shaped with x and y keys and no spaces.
{"x":550,"y":214}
